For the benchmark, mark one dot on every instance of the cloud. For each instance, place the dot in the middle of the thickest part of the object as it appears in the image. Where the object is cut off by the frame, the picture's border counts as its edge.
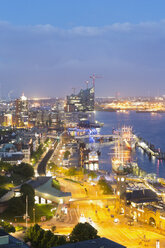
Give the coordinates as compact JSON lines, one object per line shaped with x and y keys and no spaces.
{"x":47,"y":60}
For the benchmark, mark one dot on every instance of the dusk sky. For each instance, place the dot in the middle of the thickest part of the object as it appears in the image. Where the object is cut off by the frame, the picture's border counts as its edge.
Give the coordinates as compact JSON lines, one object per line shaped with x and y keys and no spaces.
{"x":47,"y":47}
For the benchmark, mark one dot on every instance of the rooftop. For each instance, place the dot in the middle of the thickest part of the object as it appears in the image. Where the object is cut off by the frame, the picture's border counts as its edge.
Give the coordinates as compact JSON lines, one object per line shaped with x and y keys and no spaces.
{"x":94,"y":243}
{"x":140,"y":196}
{"x":12,"y":242}
{"x":44,"y":186}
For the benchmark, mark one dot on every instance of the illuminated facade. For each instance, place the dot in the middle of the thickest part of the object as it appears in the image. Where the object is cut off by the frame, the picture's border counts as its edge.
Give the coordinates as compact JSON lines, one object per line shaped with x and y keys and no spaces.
{"x":21,"y":106}
{"x":141,"y":205}
{"x":83,"y":101}
{"x":8,"y":119}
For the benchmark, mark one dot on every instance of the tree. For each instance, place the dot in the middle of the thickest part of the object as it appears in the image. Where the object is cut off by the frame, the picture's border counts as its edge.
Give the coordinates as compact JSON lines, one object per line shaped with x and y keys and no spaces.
{"x":71,"y":172}
{"x":7,"y":226}
{"x":38,"y":238}
{"x":53,"y":228}
{"x":83,"y":231}
{"x":46,"y":238}
{"x":61,"y":240}
{"x":43,"y":239}
{"x":66,"y":154}
{"x":5,"y":166}
{"x":23,"y":169}
{"x":27,"y":190}
{"x":107,"y":189}
{"x":15,"y":207}
{"x":56,"y":240}
{"x":92,"y":174}
{"x":52,"y":242}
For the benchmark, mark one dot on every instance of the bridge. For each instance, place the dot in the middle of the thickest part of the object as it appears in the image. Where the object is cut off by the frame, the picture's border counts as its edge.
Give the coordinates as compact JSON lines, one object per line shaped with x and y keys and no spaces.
{"x":99,"y":136}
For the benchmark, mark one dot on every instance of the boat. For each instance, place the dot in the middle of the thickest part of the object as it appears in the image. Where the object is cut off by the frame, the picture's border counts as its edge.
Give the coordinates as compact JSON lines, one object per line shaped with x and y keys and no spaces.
{"x":121,"y":163}
{"x":127,"y":136}
{"x":92,"y":163}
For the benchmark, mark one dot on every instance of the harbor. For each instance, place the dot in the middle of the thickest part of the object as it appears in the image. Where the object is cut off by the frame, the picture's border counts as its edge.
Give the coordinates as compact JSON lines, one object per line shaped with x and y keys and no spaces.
{"x":143,"y":126}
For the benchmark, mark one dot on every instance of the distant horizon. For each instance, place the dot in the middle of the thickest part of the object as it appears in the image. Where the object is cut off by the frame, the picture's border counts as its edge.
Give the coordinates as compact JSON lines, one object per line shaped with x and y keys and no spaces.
{"x":49,"y":47}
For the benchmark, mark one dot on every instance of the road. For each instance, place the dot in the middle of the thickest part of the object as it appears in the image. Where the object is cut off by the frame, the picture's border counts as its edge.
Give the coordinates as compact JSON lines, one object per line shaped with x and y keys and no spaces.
{"x":42,"y":165}
{"x":136,"y":236}
{"x":99,"y":211}
{"x":97,"y":208}
{"x":74,"y":159}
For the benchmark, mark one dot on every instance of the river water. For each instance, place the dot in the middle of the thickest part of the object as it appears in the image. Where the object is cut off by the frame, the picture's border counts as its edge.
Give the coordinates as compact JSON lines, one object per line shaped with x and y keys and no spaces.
{"x":148,"y":126}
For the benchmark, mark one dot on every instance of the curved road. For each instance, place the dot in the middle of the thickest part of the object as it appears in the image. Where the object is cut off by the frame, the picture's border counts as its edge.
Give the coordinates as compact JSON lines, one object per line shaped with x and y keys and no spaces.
{"x":42,"y":165}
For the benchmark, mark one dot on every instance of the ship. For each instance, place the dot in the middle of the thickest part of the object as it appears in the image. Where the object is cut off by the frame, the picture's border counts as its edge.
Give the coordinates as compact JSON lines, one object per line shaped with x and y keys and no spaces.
{"x":127,"y":137}
{"x":92,"y":162}
{"x":121,"y":162}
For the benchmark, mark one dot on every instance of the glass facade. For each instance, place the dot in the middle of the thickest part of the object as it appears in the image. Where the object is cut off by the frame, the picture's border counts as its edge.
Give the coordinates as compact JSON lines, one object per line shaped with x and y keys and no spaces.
{"x":83,"y":101}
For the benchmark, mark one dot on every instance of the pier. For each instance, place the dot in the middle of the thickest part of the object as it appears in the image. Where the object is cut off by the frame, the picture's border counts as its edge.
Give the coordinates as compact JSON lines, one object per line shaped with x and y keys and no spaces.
{"x":150,"y":149}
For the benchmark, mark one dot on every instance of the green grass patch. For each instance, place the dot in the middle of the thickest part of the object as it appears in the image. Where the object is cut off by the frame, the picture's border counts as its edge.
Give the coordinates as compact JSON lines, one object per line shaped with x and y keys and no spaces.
{"x":71,"y":180}
{"x":43,"y":210}
{"x":19,"y":228}
{"x":56,"y":184}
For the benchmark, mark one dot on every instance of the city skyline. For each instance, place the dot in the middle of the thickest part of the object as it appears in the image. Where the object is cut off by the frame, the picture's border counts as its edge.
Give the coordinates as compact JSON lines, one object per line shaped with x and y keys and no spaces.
{"x":49,"y":48}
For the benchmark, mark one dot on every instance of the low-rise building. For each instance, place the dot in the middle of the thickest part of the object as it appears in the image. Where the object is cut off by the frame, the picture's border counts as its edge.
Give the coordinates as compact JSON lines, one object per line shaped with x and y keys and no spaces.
{"x":26,"y":153}
{"x":93,"y":243}
{"x":8,"y":241}
{"x":46,"y":193}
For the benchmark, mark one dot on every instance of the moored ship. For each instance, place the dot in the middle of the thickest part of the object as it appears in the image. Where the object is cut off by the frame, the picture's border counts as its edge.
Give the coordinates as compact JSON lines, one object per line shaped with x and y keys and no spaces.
{"x":121,"y":162}
{"x":127,"y":137}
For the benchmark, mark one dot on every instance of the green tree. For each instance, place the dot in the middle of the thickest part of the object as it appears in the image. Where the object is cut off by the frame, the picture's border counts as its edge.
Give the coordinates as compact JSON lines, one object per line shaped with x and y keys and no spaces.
{"x":38,"y":238}
{"x":46,"y":238}
{"x":53,"y":228}
{"x":66,"y":154}
{"x":92,"y":174}
{"x":43,"y":239}
{"x":83,"y":231}
{"x":105,"y":187}
{"x":15,"y":207}
{"x":53,"y":241}
{"x":32,"y":234}
{"x":7,"y":226}
{"x":27,"y":190}
{"x":24,"y":170}
{"x":5,"y":166}
{"x":61,"y":240}
{"x":71,"y":172}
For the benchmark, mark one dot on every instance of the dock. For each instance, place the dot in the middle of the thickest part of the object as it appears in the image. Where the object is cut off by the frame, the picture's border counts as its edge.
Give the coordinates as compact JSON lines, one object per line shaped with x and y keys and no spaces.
{"x":150,"y":149}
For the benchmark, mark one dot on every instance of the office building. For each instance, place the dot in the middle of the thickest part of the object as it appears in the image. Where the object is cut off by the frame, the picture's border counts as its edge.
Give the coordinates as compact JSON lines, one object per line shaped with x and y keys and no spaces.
{"x":21,"y":111}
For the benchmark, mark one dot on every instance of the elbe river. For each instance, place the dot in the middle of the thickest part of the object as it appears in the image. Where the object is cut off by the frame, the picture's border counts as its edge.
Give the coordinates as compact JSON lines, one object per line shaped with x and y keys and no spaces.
{"x":148,"y":126}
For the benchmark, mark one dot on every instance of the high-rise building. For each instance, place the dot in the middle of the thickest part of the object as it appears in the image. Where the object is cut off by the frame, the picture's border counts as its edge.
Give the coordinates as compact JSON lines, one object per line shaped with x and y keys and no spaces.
{"x":83,"y":101}
{"x":8,"y":119}
{"x":21,"y":106}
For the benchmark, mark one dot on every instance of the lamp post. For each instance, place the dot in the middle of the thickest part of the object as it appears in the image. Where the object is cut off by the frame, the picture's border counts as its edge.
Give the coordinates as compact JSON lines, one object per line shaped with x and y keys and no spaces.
{"x":26,"y":210}
{"x":34,"y":216}
{"x":157,"y":244}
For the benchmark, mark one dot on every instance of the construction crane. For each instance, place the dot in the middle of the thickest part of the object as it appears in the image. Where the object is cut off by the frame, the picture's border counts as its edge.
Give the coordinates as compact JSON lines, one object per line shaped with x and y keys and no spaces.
{"x":94,"y":76}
